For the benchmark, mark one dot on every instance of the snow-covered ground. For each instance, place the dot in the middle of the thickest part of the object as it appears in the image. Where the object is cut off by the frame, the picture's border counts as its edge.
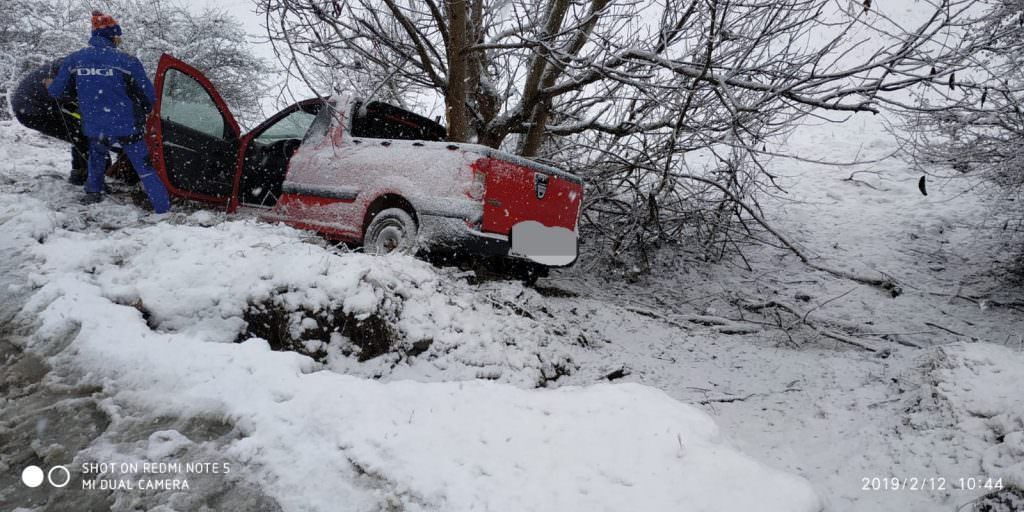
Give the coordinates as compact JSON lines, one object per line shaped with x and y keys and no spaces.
{"x":145,"y":310}
{"x":832,"y":412}
{"x":495,"y":396}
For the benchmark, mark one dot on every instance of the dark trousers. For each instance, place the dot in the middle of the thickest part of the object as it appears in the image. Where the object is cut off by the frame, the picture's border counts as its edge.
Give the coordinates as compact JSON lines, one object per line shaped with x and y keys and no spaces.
{"x":138,"y":154}
{"x":60,"y":125}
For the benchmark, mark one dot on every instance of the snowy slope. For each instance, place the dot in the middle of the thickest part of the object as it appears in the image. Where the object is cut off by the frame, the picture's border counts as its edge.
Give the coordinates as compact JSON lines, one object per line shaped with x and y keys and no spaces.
{"x":310,"y":437}
{"x":831,"y":412}
{"x":102,"y":279}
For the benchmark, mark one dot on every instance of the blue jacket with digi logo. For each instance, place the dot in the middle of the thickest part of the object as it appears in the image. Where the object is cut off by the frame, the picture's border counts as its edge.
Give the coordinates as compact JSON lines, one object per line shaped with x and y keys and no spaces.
{"x":114,"y":93}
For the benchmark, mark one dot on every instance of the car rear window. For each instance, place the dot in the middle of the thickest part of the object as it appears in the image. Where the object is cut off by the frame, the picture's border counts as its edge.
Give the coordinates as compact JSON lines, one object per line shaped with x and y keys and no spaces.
{"x":382,"y":121}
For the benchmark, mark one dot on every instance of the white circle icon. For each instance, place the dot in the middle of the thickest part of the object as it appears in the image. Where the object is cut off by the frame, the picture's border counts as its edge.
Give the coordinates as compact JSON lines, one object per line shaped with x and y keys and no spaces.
{"x":67,"y":476}
{"x":32,"y":476}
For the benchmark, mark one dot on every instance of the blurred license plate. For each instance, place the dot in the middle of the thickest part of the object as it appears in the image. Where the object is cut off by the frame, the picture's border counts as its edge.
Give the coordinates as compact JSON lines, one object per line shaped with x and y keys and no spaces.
{"x":549,"y":246}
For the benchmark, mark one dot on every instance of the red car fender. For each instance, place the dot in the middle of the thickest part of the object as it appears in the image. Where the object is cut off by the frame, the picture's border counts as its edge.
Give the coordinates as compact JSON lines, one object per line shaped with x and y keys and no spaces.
{"x":367,"y":197}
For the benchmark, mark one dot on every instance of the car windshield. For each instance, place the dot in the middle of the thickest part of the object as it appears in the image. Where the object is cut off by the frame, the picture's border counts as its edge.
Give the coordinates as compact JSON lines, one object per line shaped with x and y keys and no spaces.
{"x":293,"y":126}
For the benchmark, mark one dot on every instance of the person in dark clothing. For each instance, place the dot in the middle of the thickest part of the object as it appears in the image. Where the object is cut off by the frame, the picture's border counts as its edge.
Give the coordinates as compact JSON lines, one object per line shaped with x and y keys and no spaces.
{"x":36,"y":109}
{"x":114,"y":97}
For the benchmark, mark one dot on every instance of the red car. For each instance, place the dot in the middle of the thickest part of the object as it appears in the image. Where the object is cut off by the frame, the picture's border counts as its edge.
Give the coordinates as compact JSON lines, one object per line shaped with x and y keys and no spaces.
{"x":364,"y":173}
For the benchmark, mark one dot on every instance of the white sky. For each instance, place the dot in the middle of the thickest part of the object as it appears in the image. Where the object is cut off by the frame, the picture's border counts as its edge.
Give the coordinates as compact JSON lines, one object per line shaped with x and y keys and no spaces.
{"x":245,"y":12}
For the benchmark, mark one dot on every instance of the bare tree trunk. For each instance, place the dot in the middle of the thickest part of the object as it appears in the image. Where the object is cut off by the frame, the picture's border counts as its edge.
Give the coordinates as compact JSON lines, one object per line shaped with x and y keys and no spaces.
{"x":541,"y":110}
{"x":479,"y":85}
{"x":455,"y":92}
{"x":531,"y":142}
{"x":530,"y":106}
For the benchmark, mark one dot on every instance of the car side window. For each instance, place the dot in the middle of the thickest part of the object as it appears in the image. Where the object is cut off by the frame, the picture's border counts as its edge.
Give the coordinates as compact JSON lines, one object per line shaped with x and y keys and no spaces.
{"x":185,"y":102}
{"x":292,"y":126}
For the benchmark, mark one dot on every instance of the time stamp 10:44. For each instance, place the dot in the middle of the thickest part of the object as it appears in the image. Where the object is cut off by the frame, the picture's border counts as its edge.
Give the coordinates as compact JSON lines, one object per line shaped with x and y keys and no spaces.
{"x":938,"y":483}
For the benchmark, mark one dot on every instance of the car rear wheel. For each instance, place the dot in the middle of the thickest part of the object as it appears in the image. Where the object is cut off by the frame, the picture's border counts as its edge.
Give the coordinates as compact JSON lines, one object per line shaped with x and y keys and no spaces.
{"x":391,"y":230}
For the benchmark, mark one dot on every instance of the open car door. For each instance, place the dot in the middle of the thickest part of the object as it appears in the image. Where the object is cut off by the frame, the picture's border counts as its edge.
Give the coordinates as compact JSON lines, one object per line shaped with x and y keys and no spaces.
{"x":266,"y":151}
{"x":195,"y":139}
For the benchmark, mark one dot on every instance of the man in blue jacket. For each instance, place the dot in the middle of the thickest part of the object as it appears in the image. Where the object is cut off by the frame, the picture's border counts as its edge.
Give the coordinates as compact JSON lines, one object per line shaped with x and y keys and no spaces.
{"x":114,"y":98}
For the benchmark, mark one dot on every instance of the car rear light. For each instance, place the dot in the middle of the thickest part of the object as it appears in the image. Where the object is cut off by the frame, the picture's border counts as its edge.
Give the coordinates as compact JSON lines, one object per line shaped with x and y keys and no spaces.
{"x":476,"y":189}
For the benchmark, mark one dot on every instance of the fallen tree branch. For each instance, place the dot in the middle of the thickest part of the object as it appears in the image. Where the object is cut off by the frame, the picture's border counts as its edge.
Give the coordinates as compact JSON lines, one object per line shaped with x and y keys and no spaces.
{"x":731,"y":399}
{"x":843,"y":338}
{"x":717,"y":323}
{"x":884,"y":282}
{"x":951,"y":331}
{"x":651,"y":314}
{"x":727,"y":400}
{"x":803,"y":317}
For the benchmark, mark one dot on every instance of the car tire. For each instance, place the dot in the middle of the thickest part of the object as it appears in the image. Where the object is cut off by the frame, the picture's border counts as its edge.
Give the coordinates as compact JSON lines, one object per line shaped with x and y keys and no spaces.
{"x":390,"y":230}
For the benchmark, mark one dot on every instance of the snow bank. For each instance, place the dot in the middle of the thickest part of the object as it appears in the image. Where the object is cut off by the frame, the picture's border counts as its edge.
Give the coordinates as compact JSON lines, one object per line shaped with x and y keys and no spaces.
{"x":34,"y":219}
{"x":320,"y":440}
{"x":982,"y":382}
{"x":201,"y":281}
{"x":324,"y":441}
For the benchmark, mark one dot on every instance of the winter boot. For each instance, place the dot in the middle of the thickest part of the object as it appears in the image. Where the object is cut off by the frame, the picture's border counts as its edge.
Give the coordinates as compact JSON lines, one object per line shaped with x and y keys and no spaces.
{"x":78,"y":176}
{"x":92,"y":198}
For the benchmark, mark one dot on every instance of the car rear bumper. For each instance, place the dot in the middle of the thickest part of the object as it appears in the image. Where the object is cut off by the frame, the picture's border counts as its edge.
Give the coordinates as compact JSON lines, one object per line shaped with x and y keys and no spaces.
{"x":438,"y":232}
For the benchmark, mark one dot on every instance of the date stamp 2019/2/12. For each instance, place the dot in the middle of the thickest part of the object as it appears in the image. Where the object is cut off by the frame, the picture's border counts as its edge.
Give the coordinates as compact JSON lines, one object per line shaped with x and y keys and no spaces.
{"x":935,"y":483}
